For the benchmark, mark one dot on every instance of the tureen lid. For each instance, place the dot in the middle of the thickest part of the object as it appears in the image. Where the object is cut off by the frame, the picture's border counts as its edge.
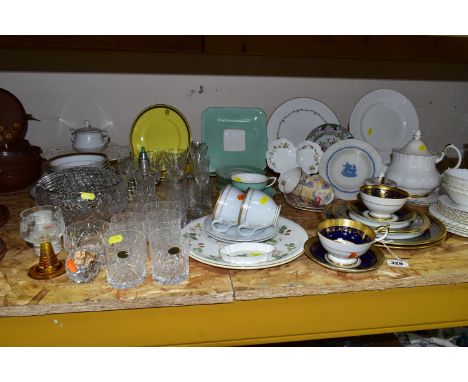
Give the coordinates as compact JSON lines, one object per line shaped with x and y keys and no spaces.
{"x":415,"y":146}
{"x":88,"y":129}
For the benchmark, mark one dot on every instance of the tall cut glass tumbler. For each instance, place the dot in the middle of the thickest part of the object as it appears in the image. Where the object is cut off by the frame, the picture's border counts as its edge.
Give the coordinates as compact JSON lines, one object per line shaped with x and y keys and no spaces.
{"x":169,"y":253}
{"x":125,"y":252}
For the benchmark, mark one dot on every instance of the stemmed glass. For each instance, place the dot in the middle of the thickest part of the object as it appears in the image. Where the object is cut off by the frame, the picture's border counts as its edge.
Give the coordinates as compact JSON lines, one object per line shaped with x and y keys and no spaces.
{"x":197,"y":149}
{"x":43,"y":225}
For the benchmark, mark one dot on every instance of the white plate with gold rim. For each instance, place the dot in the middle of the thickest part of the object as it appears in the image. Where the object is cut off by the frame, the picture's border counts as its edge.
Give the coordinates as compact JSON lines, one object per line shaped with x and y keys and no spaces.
{"x":385,"y":119}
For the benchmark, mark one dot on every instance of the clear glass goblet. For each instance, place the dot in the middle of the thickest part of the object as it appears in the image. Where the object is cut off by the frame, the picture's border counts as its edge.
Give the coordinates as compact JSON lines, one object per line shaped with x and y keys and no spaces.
{"x":174,"y":161}
{"x":43,"y":225}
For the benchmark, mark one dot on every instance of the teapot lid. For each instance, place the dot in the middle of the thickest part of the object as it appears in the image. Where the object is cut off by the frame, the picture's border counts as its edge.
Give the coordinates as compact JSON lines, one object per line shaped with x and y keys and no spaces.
{"x":415,"y":146}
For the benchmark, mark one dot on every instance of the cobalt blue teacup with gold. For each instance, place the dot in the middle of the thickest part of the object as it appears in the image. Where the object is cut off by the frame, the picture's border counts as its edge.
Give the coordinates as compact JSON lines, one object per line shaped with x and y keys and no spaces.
{"x":346,"y":240}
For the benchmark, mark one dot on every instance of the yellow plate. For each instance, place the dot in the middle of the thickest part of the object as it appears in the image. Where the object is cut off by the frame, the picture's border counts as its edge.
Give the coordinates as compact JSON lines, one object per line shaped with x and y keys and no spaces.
{"x":160,"y":127}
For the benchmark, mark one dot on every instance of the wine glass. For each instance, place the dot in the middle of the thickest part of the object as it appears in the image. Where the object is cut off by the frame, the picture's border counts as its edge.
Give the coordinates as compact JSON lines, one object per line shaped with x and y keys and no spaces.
{"x":43,"y":225}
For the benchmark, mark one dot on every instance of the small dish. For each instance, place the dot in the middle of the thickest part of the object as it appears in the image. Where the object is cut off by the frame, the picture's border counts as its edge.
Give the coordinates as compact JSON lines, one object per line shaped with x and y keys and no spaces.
{"x":289,"y":179}
{"x":281,"y":155}
{"x":370,"y":260}
{"x":308,"y":156}
{"x":247,"y":253}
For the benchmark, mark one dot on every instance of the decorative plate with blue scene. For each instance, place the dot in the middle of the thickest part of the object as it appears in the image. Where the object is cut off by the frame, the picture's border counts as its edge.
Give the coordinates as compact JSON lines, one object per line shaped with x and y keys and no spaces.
{"x":347,"y":164}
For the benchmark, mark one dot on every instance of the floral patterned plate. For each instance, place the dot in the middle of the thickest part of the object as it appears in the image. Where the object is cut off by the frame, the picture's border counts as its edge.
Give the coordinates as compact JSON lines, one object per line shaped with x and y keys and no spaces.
{"x":289,"y":243}
{"x":328,"y":134}
{"x":308,"y":156}
{"x":294,"y":118}
{"x":281,"y":155}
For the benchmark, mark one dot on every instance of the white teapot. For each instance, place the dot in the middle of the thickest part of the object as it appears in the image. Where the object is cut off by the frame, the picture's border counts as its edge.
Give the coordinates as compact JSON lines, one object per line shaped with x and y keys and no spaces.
{"x":413,"y":167}
{"x":89,"y":139}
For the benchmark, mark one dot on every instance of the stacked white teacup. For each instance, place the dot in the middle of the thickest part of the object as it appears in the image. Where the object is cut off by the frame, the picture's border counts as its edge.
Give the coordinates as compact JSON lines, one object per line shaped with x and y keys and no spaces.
{"x":455,"y":182}
{"x":452,"y":210}
{"x":250,"y":212}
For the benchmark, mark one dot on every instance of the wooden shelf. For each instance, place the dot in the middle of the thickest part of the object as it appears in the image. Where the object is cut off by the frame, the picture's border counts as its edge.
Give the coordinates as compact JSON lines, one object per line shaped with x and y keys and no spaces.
{"x":405,"y":57}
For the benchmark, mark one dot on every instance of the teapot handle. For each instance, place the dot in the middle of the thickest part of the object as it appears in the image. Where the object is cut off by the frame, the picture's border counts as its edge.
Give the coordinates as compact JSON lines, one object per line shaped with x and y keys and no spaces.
{"x":452,"y":146}
{"x":72,"y":135}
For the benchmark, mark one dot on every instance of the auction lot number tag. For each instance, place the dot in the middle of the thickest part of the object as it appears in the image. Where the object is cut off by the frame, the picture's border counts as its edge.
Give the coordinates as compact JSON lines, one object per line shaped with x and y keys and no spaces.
{"x":398,"y":263}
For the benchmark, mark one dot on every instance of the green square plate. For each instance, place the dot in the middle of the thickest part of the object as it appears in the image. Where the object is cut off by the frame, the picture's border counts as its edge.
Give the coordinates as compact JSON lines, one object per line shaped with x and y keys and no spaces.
{"x":235,"y":136}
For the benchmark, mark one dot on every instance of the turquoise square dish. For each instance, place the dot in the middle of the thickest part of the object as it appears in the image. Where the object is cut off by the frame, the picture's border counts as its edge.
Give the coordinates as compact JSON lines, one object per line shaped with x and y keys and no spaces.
{"x":235,"y":136}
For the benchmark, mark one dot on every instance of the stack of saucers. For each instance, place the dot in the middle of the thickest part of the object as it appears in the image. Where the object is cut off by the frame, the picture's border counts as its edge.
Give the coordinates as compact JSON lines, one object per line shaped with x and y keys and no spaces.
{"x":67,"y":161}
{"x":452,"y":210}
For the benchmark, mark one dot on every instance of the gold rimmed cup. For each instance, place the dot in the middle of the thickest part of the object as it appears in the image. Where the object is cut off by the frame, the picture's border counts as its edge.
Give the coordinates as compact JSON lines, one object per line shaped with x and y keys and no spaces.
{"x":346,"y":240}
{"x":383,"y":201}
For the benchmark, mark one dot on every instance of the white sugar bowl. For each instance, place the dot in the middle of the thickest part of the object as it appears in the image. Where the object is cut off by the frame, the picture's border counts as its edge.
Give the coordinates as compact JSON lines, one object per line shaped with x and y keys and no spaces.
{"x":89,"y":139}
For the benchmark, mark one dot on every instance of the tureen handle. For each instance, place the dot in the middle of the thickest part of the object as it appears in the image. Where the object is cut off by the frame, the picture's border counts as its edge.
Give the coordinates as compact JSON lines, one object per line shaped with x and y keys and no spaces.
{"x":452,"y":146}
{"x":72,"y":135}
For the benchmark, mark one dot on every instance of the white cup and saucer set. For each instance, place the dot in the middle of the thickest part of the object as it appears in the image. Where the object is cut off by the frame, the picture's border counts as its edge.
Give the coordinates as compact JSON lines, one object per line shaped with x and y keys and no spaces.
{"x":243,"y":216}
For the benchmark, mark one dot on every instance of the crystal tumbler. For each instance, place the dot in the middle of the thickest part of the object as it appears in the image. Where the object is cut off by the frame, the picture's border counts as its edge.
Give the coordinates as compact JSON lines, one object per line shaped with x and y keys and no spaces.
{"x":125,"y":253}
{"x":84,"y":243}
{"x":169,"y":253}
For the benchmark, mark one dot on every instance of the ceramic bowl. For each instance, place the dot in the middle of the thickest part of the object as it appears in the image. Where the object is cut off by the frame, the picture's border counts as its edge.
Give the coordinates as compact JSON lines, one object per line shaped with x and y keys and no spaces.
{"x":345,"y":240}
{"x":289,"y":179}
{"x":247,"y":253}
{"x":383,"y":201}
